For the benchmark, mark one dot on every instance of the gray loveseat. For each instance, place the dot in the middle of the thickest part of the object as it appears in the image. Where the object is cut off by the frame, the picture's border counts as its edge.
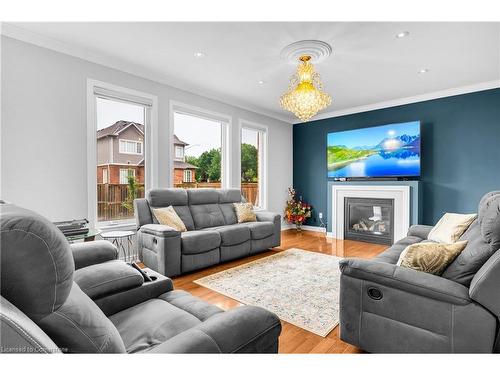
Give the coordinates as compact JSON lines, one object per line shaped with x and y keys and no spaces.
{"x":386,"y":308}
{"x":213,"y":234}
{"x":106,"y":306}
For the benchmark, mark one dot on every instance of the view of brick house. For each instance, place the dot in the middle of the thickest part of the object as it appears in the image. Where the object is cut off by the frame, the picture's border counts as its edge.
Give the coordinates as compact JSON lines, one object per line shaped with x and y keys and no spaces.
{"x":183,"y":172}
{"x":120,"y":153}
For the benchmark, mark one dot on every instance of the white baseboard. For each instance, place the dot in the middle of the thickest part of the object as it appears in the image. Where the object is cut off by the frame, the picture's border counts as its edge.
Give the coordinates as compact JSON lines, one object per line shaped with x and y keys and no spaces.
{"x":309,"y":228}
{"x":329,"y":234}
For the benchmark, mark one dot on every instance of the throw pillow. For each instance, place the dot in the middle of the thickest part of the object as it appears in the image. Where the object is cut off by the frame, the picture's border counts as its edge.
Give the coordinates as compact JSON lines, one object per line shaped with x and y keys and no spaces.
{"x":167,"y":216}
{"x":430,"y":257}
{"x":450,"y":227}
{"x":244,"y":212}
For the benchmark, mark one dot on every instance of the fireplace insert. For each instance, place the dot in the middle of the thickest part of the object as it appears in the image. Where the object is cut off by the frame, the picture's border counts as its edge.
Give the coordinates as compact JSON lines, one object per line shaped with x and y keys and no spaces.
{"x":369,"y":220}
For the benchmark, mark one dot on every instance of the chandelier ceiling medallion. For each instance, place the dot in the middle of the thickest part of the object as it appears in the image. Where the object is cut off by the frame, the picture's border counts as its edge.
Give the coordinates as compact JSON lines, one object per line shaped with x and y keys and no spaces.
{"x":305,"y":96}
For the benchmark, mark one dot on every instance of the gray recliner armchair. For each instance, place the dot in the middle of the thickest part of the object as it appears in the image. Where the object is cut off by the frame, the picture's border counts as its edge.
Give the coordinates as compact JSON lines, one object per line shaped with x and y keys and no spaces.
{"x":105,"y":306}
{"x":390,"y":309}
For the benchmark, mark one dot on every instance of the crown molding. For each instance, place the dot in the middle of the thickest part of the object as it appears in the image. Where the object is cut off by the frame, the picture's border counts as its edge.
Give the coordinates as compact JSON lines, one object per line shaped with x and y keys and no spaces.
{"x":410,"y":99}
{"x":28,"y":36}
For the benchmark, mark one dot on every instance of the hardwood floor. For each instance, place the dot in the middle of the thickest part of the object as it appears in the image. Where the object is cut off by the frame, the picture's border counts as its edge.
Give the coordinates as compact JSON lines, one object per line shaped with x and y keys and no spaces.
{"x":293,"y":339}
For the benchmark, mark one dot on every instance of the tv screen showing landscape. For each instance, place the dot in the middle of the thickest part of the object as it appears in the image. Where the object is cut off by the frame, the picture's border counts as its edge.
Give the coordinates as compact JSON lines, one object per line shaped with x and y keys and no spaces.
{"x":382,"y":151}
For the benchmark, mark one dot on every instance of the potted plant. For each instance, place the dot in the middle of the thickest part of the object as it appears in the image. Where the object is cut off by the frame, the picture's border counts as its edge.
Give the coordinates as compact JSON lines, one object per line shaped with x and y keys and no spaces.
{"x":296,"y":211}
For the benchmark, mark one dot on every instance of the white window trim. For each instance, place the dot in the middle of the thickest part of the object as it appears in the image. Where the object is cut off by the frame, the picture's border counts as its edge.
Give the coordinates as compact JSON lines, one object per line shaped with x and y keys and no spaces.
{"x":187,"y":172}
{"x":130,"y":140}
{"x":103,"y":89}
{"x":182,"y":151}
{"x":127,"y":170}
{"x":226,"y":131}
{"x":263,"y":172}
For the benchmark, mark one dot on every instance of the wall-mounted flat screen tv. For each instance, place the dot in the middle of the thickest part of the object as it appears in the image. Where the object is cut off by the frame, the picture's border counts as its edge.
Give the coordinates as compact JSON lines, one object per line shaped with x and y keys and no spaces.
{"x":391,"y":151}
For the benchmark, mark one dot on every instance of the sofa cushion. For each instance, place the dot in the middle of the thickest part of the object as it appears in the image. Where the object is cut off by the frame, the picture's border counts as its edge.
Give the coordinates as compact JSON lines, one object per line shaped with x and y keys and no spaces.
{"x":244,"y":212}
{"x":450,"y":227}
{"x":431,"y":257}
{"x":191,"y":304}
{"x":471,"y":259}
{"x":185,"y":214}
{"x":391,"y":255}
{"x":202,"y":196}
{"x":207,"y":215}
{"x":150,"y":323}
{"x":169,"y":217}
{"x":167,"y":197}
{"x":229,"y":195}
{"x":260,"y":229}
{"x":198,"y":241}
{"x":232,"y":234}
{"x":229,"y":213}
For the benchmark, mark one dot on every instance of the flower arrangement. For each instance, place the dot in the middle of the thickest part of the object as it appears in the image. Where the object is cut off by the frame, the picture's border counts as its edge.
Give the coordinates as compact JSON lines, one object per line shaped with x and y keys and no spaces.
{"x":296,"y":211}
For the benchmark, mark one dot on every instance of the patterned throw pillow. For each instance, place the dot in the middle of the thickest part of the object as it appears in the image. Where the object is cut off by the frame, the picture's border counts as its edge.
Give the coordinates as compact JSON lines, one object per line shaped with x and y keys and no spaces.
{"x":430,"y":257}
{"x":244,"y":212}
{"x":167,"y":216}
{"x":450,"y":227}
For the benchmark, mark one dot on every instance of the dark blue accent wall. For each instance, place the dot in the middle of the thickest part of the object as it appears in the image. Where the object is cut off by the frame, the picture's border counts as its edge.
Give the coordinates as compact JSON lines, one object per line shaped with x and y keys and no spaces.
{"x":460,"y":151}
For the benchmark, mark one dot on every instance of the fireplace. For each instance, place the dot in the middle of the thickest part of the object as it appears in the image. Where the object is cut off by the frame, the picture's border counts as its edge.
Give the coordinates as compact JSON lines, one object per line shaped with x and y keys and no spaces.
{"x":369,"y":220}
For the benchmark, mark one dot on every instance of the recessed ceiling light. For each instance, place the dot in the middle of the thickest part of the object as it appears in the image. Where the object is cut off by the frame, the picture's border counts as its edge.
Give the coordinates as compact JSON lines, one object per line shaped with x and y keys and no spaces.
{"x":199,"y":55}
{"x":402,"y":34}
{"x":261,"y":82}
{"x":422,"y":71}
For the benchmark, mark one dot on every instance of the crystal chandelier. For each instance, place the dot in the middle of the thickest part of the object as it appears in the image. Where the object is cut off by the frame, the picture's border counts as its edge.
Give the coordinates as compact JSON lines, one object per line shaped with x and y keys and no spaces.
{"x":305,"y":96}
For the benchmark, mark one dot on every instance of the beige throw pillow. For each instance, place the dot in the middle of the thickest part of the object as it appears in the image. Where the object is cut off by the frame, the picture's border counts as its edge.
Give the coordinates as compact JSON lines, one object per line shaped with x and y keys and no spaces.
{"x":430,"y":257}
{"x":244,"y":212}
{"x":168,"y":216}
{"x":450,"y":227}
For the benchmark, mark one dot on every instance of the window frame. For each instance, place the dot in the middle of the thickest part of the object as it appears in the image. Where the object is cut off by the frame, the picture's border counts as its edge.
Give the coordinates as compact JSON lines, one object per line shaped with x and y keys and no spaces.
{"x":226,"y":135}
{"x":187,"y":172}
{"x":182,"y":152}
{"x":98,"y":89}
{"x":123,"y":140}
{"x":263,"y":159}
{"x":128,"y":170}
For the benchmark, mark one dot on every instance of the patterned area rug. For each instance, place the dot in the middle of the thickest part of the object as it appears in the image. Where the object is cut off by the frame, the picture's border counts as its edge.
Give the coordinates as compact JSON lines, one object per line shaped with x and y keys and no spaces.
{"x":301,"y":287}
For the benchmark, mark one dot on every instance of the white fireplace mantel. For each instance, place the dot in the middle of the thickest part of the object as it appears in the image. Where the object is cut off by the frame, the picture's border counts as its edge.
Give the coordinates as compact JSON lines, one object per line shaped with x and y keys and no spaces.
{"x":400,"y":194}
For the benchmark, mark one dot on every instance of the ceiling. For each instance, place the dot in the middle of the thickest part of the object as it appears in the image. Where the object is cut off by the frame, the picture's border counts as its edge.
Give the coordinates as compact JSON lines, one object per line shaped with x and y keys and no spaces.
{"x":368,"y":64}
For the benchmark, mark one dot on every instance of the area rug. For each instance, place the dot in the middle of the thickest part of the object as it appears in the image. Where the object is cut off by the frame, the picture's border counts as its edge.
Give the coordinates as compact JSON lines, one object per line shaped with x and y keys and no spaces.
{"x":301,"y":287}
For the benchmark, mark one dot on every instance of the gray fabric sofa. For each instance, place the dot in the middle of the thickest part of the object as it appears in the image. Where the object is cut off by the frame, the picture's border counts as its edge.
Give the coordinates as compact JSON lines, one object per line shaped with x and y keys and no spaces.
{"x":81,"y":299}
{"x":213,"y":234}
{"x":390,"y":309}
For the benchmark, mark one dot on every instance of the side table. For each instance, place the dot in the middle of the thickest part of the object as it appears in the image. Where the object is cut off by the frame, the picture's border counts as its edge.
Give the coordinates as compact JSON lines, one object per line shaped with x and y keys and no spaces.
{"x":119,"y":238}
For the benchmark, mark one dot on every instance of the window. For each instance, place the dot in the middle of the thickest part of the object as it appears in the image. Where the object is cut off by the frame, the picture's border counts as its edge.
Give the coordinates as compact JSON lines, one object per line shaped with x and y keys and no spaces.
{"x":116,"y":113}
{"x":188,"y":175}
{"x":125,"y":174}
{"x":253,"y":164}
{"x":130,"y":147}
{"x":204,"y":155}
{"x":179,"y":152}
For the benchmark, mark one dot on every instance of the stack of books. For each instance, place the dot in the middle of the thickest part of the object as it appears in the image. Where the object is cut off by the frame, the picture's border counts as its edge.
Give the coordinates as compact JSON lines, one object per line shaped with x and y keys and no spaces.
{"x":73,"y":227}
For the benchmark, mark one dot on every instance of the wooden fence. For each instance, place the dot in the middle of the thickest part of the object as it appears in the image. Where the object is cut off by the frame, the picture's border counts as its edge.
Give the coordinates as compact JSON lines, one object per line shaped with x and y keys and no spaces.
{"x":110,"y":197}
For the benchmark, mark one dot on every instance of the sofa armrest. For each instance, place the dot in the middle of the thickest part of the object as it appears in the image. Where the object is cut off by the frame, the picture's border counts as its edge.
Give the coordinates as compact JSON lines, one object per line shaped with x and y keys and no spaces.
{"x":160,"y":230}
{"x":268,"y":216}
{"x":421,"y":231}
{"x":94,"y":252}
{"x":159,"y":248}
{"x":406,"y":279}
{"x":485,"y":284}
{"x":246,"y":329}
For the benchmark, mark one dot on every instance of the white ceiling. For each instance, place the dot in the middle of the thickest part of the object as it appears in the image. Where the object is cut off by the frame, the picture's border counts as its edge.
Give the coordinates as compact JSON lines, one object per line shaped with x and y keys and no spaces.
{"x":368,"y":65}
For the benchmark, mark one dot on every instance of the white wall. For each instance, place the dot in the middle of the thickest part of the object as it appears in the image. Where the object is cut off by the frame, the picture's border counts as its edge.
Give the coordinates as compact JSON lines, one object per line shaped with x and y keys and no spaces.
{"x":44,"y":125}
